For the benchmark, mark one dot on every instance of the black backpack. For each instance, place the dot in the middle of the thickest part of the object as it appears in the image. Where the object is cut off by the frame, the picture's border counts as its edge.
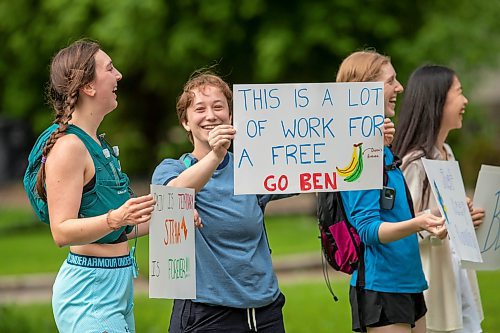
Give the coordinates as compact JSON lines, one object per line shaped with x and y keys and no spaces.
{"x":340,"y":243}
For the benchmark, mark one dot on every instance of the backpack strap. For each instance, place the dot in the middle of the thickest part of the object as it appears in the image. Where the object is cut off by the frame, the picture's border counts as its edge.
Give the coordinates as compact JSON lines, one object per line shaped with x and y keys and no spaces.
{"x":96,"y":151}
{"x":396,"y":164}
{"x":262,"y":206}
{"x":188,"y":160}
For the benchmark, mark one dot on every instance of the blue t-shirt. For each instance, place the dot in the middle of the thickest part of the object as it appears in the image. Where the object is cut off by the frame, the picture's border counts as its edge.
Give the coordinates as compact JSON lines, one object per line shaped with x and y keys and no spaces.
{"x":233,"y":263}
{"x":395,"y":266}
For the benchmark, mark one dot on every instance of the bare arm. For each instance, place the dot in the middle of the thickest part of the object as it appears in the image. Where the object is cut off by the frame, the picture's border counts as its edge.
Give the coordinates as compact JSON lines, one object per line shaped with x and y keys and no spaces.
{"x":389,"y":232}
{"x":68,"y":167}
{"x":200,"y":173}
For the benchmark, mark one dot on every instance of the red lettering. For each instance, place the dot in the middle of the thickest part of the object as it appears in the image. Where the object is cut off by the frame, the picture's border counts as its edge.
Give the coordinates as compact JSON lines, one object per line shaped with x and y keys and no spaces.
{"x":267,"y":186}
{"x":282,"y":183}
{"x":316,"y":180}
{"x":320,"y":181}
{"x":331,"y":183}
{"x":304,"y":181}
{"x":167,"y":238}
{"x":173,"y":232}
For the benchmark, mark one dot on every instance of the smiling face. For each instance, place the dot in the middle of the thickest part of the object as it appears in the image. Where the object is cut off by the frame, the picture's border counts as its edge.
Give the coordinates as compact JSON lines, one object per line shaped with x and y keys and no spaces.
{"x":208,"y":109}
{"x":454,"y":107}
{"x":106,"y":81}
{"x":392,"y":88}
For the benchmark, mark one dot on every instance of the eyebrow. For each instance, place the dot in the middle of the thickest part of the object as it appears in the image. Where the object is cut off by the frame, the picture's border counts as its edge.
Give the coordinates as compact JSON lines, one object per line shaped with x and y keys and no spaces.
{"x":215,"y":101}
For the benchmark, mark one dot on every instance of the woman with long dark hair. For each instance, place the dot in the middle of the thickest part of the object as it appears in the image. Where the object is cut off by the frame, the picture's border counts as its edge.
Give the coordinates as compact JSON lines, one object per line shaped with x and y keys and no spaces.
{"x":433,"y":105}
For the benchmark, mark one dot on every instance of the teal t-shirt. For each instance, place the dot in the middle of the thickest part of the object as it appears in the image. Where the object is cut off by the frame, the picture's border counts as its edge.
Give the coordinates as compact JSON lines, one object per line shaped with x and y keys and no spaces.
{"x":111,"y":188}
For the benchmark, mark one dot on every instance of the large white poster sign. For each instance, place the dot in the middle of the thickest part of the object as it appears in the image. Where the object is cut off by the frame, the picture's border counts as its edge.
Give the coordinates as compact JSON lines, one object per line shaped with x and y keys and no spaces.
{"x":172,"y":261}
{"x":446,"y":183}
{"x":311,"y":137}
{"x":487,"y":196}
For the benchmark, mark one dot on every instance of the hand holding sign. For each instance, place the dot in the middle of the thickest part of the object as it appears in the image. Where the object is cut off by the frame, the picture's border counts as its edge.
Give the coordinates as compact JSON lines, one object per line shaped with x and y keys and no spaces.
{"x":389,"y":131}
{"x":430,"y":223}
{"x":198,"y":223}
{"x":220,"y":139}
{"x":477,"y":214}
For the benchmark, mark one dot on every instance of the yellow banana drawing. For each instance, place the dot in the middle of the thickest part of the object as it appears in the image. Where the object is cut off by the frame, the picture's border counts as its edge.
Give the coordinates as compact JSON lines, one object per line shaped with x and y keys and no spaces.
{"x":351,"y":167}
{"x":359,"y":167}
{"x":344,"y":172}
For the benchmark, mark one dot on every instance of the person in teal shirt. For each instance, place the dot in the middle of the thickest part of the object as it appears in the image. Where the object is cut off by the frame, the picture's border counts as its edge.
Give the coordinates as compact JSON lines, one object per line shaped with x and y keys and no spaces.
{"x":89,"y":205}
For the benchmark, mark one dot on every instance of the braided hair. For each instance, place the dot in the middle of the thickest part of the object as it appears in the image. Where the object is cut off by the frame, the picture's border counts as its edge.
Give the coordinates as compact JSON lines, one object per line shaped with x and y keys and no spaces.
{"x":71,"y":69}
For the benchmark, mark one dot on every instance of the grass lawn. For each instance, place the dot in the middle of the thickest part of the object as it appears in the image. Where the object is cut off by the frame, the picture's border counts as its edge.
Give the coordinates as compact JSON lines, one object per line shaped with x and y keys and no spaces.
{"x":309,"y":309}
{"x":309,"y":306}
{"x":32,"y":250}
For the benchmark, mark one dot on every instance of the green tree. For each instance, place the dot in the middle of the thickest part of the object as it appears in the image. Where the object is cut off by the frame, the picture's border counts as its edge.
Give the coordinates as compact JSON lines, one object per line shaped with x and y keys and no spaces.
{"x":157,"y":44}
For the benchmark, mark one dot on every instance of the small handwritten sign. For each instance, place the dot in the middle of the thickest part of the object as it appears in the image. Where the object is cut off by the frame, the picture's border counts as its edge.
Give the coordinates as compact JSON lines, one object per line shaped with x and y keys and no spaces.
{"x":311,"y":137}
{"x":447,"y":186}
{"x":487,"y":196}
{"x":172,"y":271}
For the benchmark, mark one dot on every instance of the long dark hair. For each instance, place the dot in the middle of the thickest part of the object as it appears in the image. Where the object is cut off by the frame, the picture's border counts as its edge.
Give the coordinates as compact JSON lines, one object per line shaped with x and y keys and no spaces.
{"x":421,"y":112}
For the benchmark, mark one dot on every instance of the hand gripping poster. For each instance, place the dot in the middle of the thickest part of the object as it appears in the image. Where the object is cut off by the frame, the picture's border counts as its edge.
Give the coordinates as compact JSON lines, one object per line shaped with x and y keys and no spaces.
{"x":172,"y":261}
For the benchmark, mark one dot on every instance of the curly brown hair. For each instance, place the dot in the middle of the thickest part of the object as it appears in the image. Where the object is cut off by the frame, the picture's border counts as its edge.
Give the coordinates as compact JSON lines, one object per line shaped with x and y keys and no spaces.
{"x":200,"y":79}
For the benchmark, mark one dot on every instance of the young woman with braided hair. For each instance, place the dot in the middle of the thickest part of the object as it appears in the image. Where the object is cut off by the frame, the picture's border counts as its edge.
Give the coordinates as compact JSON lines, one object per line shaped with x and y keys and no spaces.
{"x":89,"y":201}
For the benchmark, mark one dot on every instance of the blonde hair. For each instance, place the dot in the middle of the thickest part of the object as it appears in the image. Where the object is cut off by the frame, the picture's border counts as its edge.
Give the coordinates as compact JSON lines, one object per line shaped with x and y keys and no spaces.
{"x":362,"y":66}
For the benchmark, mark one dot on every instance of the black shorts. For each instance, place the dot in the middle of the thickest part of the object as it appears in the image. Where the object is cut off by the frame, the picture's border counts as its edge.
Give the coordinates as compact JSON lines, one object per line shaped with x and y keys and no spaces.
{"x":382,"y":309}
{"x":192,"y":317}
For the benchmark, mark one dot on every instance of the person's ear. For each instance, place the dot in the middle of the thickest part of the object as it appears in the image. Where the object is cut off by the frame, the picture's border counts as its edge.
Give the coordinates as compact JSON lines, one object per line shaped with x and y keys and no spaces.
{"x":88,"y":90}
{"x":186,"y":126}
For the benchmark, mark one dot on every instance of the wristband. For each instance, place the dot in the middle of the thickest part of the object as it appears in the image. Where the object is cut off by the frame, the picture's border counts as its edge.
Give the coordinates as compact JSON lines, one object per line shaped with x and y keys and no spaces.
{"x":107,"y":221}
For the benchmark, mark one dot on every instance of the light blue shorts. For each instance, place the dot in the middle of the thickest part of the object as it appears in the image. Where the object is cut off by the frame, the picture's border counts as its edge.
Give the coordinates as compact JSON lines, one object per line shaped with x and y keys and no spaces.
{"x":94,"y":295}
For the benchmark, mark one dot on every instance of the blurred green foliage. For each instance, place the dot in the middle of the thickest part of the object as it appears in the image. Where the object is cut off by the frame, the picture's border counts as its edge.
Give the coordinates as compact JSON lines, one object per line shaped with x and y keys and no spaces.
{"x":157,"y":44}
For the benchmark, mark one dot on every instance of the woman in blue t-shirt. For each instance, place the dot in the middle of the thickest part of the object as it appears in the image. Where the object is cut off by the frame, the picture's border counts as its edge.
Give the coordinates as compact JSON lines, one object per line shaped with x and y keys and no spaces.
{"x":391,"y":299}
{"x":236,"y":288}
